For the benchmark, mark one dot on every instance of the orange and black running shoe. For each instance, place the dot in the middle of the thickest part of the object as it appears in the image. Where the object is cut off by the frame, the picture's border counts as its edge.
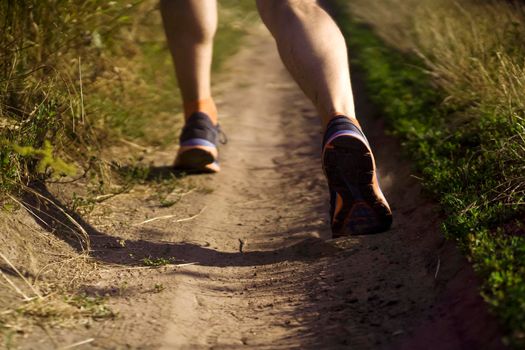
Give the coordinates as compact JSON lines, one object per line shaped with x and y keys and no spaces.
{"x":198,"y":152}
{"x":357,"y":205}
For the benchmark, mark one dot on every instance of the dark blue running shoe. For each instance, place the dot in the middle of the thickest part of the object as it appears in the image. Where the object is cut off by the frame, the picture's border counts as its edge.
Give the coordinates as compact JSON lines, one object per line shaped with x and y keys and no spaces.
{"x":198,"y":152}
{"x":357,"y":205}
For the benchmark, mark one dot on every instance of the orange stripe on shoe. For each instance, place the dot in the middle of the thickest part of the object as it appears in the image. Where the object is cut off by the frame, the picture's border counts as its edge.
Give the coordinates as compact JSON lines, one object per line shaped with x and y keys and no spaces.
{"x":205,"y":105}
{"x":338,"y":205}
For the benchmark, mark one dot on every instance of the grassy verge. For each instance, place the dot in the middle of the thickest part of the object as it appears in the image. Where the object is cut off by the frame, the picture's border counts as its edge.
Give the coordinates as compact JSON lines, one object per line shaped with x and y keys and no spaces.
{"x":85,"y":87}
{"x":75,"y":79}
{"x":454,"y":98}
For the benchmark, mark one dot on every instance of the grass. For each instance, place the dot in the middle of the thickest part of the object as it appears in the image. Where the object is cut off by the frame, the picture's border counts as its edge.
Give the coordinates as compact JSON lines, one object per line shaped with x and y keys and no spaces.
{"x":41,"y":98}
{"x":86,"y":88}
{"x":77,"y":79}
{"x":156,"y":262}
{"x":33,"y":300}
{"x":53,"y":311}
{"x":449,"y":78}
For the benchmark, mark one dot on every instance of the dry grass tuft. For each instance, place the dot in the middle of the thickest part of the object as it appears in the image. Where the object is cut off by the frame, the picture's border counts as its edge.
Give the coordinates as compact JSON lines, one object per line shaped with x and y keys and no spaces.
{"x":474,"y":51}
{"x":39,"y":277}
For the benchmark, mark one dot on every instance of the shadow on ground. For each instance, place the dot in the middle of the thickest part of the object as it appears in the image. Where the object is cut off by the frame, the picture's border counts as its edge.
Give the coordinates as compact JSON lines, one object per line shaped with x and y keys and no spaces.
{"x":55,"y":218}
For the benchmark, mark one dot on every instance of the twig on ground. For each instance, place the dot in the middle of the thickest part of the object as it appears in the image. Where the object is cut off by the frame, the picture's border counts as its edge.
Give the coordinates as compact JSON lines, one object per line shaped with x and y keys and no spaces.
{"x":164,"y":217}
{"x":11,"y":283}
{"x":30,"y":211}
{"x":21,"y":276}
{"x":191,"y":217}
{"x":242,"y":243}
{"x":437,"y":268}
{"x":132,"y":144}
{"x":69,"y":217}
{"x":82,"y":111}
{"x":104,"y":197}
{"x":28,"y":207}
{"x":147,"y":267}
{"x":186,"y":193}
{"x":87,"y":341}
{"x":184,"y":264}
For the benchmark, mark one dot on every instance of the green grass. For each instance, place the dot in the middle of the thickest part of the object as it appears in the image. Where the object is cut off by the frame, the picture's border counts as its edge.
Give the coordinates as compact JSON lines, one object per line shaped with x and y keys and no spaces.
{"x":114,"y":52}
{"x":44,"y":48}
{"x":156,"y":262}
{"x":473,"y":166}
{"x":54,"y":311}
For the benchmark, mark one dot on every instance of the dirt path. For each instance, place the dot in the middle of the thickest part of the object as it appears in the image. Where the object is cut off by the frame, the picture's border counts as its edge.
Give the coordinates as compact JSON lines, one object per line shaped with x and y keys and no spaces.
{"x":265,"y":276}
{"x":262,"y":273}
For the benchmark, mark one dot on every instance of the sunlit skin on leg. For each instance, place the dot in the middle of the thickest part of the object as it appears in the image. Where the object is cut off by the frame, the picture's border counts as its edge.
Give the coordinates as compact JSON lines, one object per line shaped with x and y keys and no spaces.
{"x":190,"y":26}
{"x":300,"y":28}
{"x":314,"y":51}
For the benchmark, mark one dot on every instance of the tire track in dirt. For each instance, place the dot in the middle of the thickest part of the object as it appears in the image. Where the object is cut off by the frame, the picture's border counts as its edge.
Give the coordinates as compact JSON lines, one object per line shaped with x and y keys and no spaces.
{"x":287,"y":287}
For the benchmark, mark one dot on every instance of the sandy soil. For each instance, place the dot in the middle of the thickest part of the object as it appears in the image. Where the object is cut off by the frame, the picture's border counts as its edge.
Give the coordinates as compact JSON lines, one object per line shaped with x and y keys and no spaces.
{"x":262,"y":270}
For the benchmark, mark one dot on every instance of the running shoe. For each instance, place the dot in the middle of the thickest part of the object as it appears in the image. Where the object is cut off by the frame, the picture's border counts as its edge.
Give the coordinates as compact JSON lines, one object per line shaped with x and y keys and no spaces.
{"x":198,"y":152}
{"x":357,"y":205}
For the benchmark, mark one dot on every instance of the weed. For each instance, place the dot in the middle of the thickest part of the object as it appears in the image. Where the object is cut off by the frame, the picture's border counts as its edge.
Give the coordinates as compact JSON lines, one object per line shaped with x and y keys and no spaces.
{"x":81,"y":203}
{"x":159,"y":287}
{"x":122,"y":243}
{"x":156,"y":262}
{"x":54,"y":311}
{"x":93,"y":306}
{"x":136,"y":174}
{"x":46,"y":159}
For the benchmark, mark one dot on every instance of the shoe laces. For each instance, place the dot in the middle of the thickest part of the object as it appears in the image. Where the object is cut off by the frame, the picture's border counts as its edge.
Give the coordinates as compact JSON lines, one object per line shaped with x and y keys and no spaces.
{"x":223,"y":139}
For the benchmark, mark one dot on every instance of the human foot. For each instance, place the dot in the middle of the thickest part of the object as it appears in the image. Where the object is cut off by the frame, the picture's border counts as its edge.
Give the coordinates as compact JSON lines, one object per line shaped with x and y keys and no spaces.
{"x":198,"y":152}
{"x":357,"y":204}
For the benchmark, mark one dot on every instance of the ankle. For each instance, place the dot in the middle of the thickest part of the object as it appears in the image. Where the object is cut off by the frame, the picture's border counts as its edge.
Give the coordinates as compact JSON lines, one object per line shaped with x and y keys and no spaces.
{"x":206,"y":106}
{"x":338,"y":116}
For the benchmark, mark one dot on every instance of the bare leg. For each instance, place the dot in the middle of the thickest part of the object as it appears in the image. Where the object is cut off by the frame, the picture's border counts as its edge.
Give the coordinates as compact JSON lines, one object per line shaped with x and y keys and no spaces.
{"x":314,"y":51}
{"x":190,"y":26}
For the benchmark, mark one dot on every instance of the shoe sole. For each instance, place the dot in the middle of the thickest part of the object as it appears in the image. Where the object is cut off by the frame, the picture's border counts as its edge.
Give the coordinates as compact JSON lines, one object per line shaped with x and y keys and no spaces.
{"x":361,"y":208}
{"x":197,"y":159}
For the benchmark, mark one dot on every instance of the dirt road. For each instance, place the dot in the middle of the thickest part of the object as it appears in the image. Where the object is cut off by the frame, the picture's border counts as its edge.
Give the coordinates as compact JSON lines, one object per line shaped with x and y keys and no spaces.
{"x":265,"y":276}
{"x":262,"y":271}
